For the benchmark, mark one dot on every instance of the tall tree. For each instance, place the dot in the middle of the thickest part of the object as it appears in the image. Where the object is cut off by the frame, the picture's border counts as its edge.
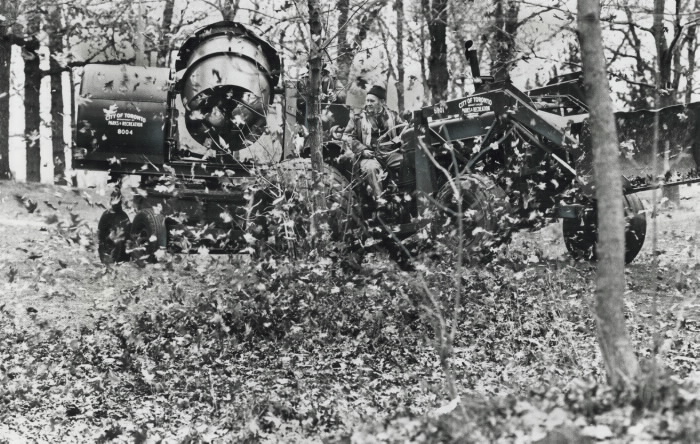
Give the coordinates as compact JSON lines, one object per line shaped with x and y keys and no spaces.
{"x":616,"y":347}
{"x":505,"y":27}
{"x":666,"y":60}
{"x":345,"y":53}
{"x":164,"y":48}
{"x":139,"y":36}
{"x":663,"y":52}
{"x":32,"y":103}
{"x":5,"y":73}
{"x":437,"y":62}
{"x":398,"y":6}
{"x":55,"y":32}
{"x":313,"y":99}
{"x":424,"y":18}
{"x":346,"y":48}
{"x":229,"y":9}
{"x":691,"y":44}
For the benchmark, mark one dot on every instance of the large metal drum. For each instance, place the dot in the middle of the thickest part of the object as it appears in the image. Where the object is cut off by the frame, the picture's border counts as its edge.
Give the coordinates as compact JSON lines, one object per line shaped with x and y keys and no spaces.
{"x":228,"y":76}
{"x":122,"y":117}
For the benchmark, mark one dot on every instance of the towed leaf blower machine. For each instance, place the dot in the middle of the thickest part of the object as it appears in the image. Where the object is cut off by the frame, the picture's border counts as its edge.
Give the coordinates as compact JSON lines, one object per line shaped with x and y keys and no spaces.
{"x":128,"y":123}
{"x":127,"y":119}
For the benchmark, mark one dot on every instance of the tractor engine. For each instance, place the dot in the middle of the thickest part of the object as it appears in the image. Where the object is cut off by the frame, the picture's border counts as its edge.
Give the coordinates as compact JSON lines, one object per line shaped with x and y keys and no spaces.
{"x":127,"y":116}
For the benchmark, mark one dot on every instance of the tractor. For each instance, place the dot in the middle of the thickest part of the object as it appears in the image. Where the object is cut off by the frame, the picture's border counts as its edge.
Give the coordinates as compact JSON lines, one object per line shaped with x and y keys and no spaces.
{"x":502,"y":159}
{"x":498,"y":160}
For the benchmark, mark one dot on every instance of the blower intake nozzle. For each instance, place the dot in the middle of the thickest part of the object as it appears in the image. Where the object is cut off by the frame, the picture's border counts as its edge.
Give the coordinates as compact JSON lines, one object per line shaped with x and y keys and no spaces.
{"x":227,"y":79}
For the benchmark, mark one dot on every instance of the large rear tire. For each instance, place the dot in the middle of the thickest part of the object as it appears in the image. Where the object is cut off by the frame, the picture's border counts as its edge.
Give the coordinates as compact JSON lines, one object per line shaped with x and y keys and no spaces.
{"x":148,"y":235}
{"x":485,"y":214}
{"x":581,"y":234}
{"x":112,"y":234}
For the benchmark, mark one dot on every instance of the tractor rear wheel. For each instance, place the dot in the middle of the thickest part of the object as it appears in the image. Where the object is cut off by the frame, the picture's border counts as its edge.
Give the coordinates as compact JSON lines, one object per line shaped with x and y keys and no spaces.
{"x":148,"y":234}
{"x":112,"y":234}
{"x":290,"y":206}
{"x":581,"y":234}
{"x":485,"y":209}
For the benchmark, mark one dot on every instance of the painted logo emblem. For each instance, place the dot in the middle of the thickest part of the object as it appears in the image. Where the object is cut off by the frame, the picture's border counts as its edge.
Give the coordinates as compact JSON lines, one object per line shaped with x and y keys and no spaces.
{"x":115,"y":118}
{"x":475,"y":105}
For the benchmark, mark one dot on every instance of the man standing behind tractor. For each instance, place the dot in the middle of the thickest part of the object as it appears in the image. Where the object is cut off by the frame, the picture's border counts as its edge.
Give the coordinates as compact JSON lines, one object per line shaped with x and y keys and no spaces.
{"x":372,"y":135}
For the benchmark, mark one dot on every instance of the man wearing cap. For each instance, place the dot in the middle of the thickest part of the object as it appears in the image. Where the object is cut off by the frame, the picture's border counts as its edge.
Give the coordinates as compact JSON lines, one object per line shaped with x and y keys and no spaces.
{"x":370,"y":134}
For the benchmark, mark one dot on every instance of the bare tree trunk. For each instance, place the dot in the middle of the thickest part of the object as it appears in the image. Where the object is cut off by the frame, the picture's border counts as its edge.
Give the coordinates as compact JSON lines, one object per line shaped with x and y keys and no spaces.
{"x":230,"y":9}
{"x":363,"y":27}
{"x":32,"y":88}
{"x":390,"y":71}
{"x":618,"y":354}
{"x":638,"y":97}
{"x":503,"y":38}
{"x":691,"y":40}
{"x":53,"y":25}
{"x":398,"y":5}
{"x":425,"y":11}
{"x":662,"y":54}
{"x":71,"y":82}
{"x":313,"y":101}
{"x":345,"y":54}
{"x":139,"y":37}
{"x":676,"y":50}
{"x":437,"y":62}
{"x":5,"y":60}
{"x":664,"y":57}
{"x":164,"y":45}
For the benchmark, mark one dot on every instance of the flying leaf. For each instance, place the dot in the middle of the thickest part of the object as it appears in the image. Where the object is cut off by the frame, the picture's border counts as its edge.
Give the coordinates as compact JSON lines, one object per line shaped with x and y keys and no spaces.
{"x":597,"y":431}
{"x":447,"y":408}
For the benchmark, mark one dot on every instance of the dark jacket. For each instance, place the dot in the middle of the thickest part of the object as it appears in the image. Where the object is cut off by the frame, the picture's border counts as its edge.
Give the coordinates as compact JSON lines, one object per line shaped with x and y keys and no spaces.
{"x":364,"y":132}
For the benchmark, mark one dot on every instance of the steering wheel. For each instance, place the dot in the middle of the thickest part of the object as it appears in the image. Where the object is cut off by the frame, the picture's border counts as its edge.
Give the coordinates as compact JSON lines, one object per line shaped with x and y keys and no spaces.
{"x":401,"y":126}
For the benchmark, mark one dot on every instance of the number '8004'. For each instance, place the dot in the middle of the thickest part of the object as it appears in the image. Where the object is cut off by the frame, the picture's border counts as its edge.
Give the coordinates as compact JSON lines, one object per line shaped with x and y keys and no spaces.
{"x":127,"y":132}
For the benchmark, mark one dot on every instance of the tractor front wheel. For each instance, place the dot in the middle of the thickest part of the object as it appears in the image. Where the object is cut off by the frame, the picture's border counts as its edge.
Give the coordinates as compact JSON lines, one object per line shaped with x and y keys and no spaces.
{"x":112,"y":234}
{"x":485,"y":210}
{"x":291,"y":203}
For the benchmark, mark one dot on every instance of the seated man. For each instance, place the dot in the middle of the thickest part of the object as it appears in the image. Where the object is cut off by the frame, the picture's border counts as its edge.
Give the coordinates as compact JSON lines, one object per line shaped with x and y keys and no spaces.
{"x":370,"y":134}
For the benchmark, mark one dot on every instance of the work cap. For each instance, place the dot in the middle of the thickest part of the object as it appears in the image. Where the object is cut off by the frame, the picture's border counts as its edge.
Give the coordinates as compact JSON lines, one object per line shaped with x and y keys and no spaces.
{"x":378,"y":91}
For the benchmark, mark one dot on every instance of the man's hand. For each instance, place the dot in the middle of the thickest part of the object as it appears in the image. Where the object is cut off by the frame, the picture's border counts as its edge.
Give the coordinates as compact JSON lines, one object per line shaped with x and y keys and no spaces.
{"x":367,"y":154}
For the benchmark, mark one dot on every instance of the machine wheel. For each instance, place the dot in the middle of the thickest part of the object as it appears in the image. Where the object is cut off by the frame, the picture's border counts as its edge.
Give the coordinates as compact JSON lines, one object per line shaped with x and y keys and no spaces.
{"x":112,"y":234}
{"x":291,"y":191}
{"x":485,"y":210}
{"x":635,"y":227}
{"x":581,"y":235}
{"x":148,"y":234}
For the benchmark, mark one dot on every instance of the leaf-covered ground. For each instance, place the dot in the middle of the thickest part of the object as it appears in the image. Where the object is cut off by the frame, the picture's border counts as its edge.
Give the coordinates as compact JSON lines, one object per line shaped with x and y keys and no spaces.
{"x":206,"y":348}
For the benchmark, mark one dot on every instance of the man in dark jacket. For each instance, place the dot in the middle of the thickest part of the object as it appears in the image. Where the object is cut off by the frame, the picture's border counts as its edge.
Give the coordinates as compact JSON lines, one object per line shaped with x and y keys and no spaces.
{"x":373,"y":137}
